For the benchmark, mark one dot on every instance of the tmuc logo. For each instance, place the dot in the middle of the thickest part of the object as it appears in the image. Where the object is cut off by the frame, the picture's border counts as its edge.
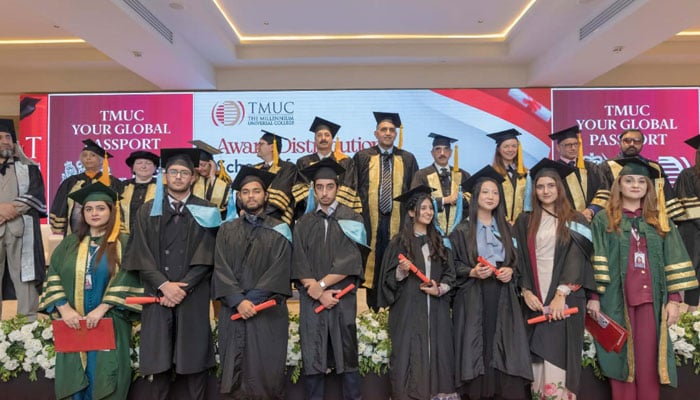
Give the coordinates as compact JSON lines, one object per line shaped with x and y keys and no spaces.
{"x":227,"y":113}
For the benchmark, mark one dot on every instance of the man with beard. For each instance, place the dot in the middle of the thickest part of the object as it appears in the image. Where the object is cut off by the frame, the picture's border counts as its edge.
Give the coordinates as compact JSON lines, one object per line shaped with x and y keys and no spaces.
{"x":22,"y":204}
{"x":384,"y":172}
{"x":447,"y":181}
{"x":172,"y":247}
{"x":324,"y":133}
{"x":328,"y":256}
{"x":65,"y":213}
{"x":281,"y":201}
{"x":582,"y":184}
{"x":141,"y":188}
{"x":631,"y":144}
{"x":252,"y":266}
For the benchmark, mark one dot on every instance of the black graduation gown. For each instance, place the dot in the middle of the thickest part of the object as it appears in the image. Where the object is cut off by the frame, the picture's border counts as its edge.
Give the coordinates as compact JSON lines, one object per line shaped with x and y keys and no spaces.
{"x":430,"y":176}
{"x":422,"y":356}
{"x":62,"y":206}
{"x":491,"y":347}
{"x":558,"y":342}
{"x":178,"y":336}
{"x":579,"y":198}
{"x":252,"y":262}
{"x":687,"y":189}
{"x":35,"y":199}
{"x":315,"y":256}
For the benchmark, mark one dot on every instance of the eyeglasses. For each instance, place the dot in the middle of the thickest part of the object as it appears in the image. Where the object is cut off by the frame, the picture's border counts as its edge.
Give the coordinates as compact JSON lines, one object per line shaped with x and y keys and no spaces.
{"x":569,"y":145}
{"x":632,"y":140}
{"x":183,"y":173}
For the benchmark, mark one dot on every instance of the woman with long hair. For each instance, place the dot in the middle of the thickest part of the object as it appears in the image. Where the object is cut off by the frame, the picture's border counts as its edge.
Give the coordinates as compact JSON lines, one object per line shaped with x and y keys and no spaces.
{"x":640,"y":267}
{"x":422,"y":357}
{"x":85,"y":285}
{"x":491,"y":348}
{"x":508,"y":162}
{"x":554,"y":253}
{"x":688,"y":192}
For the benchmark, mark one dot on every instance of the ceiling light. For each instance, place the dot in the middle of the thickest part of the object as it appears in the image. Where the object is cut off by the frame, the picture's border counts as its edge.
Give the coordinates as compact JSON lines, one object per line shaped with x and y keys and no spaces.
{"x":137,"y":53}
{"x":39,"y":41}
{"x":617,"y":49}
{"x":176,"y":6}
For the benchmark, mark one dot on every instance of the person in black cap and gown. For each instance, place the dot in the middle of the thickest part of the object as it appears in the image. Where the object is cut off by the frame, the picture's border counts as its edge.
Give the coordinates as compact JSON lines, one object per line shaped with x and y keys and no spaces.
{"x":141,"y":188}
{"x":687,"y":190}
{"x":251,"y":266}
{"x":209,"y":185}
{"x":508,"y":161}
{"x":420,"y":325}
{"x":384,"y":171}
{"x":446,"y":181}
{"x":324,"y":133}
{"x":281,"y":200}
{"x":63,"y":215}
{"x":172,"y":246}
{"x":492,"y":357}
{"x":554,"y":265}
{"x":584,"y":181}
{"x":329,"y":250}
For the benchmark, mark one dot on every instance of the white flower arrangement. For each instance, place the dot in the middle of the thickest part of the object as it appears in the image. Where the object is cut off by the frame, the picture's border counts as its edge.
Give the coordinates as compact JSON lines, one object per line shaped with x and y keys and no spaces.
{"x":26,"y":347}
{"x":685,"y":336}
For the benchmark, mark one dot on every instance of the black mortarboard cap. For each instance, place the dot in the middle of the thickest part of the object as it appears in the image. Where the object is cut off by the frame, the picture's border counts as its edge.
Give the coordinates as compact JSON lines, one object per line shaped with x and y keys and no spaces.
{"x":637,"y":166}
{"x":502,"y":136}
{"x":441,"y":140}
{"x":247,"y":174}
{"x":27,"y":107}
{"x":324,"y":169}
{"x":568,"y":133}
{"x":383,"y":116}
{"x":320,"y":123}
{"x":93,"y":192}
{"x":563,"y":170}
{"x":142,"y":154}
{"x":269,"y":137}
{"x":406,"y":197}
{"x":189,"y":157}
{"x":8,"y":125}
{"x":488,"y":172}
{"x":95,"y":148}
{"x":693,"y":142}
{"x":207,"y":151}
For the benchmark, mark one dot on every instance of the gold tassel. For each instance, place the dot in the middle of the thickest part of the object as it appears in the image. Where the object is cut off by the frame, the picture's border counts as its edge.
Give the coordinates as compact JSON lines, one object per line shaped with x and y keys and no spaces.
{"x":275,"y":154}
{"x":223,"y":175}
{"x":521,"y":167}
{"x":400,"y":146}
{"x":579,"y":161}
{"x":105,"y":171}
{"x":456,"y":166}
{"x":117,"y":223}
{"x":337,"y":151}
{"x":663,"y":217}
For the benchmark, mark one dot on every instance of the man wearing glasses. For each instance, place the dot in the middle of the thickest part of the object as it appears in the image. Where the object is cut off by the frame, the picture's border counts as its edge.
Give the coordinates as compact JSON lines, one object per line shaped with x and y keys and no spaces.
{"x":582,"y":184}
{"x":631,"y":144}
{"x":172,"y":246}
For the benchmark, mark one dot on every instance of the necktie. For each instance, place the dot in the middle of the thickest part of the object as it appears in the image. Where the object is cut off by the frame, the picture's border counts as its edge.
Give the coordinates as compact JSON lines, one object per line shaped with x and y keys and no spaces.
{"x":385,"y":189}
{"x":177,"y":206}
{"x":445,"y":181}
{"x":572,"y":163}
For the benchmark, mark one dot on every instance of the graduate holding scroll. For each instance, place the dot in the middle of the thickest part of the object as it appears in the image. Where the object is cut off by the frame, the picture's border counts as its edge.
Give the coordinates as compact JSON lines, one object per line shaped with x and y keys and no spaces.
{"x":554,"y":253}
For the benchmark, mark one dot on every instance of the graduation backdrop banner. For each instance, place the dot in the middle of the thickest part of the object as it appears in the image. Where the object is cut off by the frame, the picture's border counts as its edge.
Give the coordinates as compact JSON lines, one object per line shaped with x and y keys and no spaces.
{"x":232,"y":121}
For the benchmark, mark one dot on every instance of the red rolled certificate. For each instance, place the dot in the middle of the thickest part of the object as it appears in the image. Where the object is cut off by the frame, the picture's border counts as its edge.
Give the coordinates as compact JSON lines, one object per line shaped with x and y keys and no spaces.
{"x":415,"y":270}
{"x":142,"y":300}
{"x":338,"y":295}
{"x":69,"y":340}
{"x":259,"y":307}
{"x":492,"y":267}
{"x":545,"y":317}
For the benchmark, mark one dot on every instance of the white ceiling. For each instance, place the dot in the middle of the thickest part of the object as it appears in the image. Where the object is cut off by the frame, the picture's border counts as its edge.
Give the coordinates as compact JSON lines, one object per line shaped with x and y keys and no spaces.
{"x":417,"y":38}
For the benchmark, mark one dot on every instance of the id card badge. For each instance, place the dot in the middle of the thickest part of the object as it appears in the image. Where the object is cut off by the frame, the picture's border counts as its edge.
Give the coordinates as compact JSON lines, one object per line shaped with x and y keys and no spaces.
{"x":88,"y":281}
{"x":640,"y":260}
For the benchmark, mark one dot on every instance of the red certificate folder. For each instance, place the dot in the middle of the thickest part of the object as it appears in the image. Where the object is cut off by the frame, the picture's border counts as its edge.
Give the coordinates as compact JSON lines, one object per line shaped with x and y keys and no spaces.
{"x":607,"y":332}
{"x":69,"y":340}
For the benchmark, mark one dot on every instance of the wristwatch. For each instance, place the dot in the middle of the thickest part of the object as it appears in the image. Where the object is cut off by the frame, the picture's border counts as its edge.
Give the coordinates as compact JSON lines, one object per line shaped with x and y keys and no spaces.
{"x":322,"y":284}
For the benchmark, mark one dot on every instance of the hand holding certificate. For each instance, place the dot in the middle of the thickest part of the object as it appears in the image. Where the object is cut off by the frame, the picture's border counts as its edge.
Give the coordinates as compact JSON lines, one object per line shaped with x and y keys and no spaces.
{"x":338,"y":295}
{"x":415,"y":269}
{"x":259,"y":307}
{"x":69,"y":340}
